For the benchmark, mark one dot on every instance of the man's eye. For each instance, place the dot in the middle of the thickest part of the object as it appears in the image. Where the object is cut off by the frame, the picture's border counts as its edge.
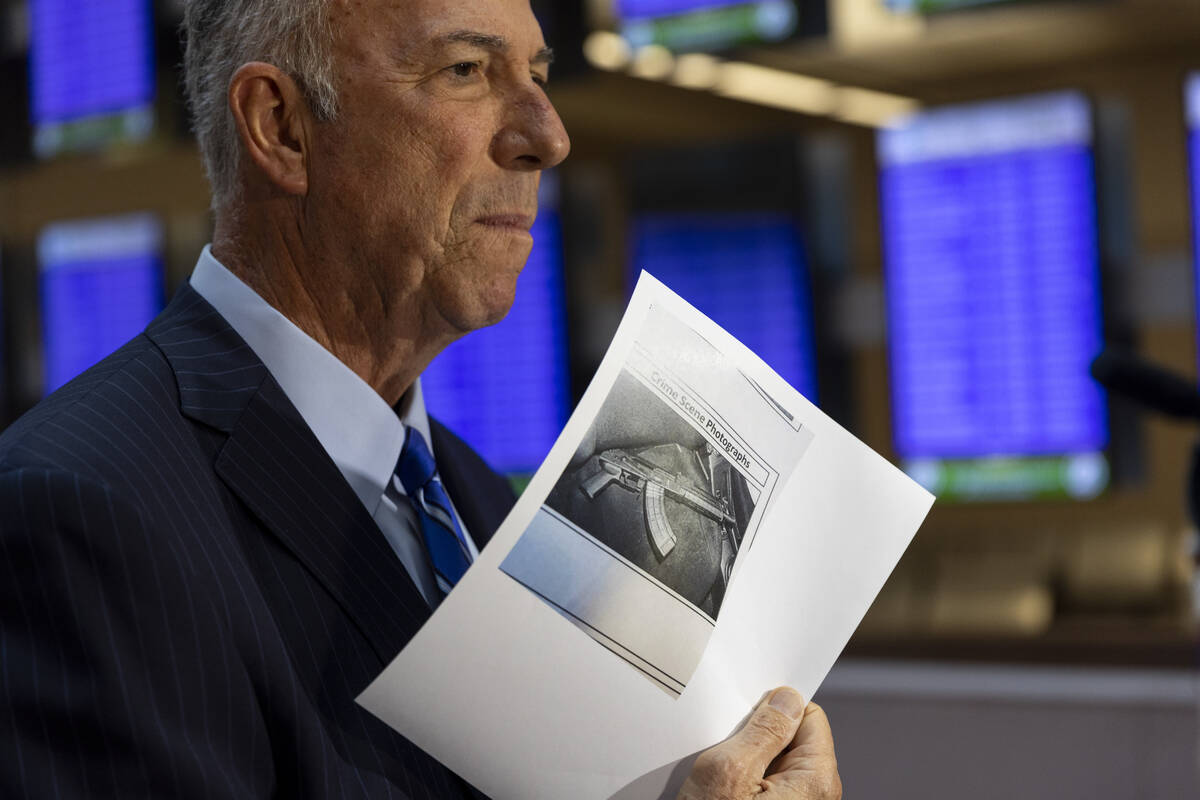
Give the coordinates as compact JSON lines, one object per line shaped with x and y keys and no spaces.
{"x":464,"y":69}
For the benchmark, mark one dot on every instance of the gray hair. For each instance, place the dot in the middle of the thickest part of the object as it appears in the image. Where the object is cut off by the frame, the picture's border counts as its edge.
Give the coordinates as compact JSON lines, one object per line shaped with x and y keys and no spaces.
{"x":221,"y":36}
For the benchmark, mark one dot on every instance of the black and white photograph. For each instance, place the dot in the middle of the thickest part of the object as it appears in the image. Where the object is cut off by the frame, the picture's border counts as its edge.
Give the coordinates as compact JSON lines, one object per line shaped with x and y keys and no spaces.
{"x":649,"y":486}
{"x":637,"y":541}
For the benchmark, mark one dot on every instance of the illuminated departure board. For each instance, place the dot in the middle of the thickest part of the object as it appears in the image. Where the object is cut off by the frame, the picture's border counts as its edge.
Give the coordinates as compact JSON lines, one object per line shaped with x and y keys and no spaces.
{"x":92,"y":72}
{"x":101,"y":283}
{"x":993,"y":296}
{"x":1192,"y":102}
{"x":506,"y":389}
{"x":634,"y":9}
{"x":683,"y":25}
{"x":745,"y":271}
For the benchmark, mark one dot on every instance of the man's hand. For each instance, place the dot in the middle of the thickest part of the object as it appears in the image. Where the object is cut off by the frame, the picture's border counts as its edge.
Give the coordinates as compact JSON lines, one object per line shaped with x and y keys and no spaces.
{"x":783,"y":752}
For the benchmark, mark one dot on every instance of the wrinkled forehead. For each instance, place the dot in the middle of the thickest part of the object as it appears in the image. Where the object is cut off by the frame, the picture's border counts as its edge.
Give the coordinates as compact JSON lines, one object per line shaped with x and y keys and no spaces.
{"x":411,"y":26}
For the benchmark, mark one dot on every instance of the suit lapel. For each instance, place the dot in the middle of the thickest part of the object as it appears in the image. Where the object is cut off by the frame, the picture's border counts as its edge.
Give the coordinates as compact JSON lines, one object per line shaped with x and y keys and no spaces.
{"x":277,"y":468}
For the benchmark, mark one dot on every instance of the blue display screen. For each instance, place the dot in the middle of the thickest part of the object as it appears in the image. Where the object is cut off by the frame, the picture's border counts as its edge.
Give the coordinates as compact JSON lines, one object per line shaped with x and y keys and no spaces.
{"x":101,"y":283}
{"x":992,"y":275}
{"x":89,"y":58}
{"x":506,"y":389}
{"x":643,"y":9}
{"x":704,"y":25}
{"x":745,"y":271}
{"x":1192,"y":101}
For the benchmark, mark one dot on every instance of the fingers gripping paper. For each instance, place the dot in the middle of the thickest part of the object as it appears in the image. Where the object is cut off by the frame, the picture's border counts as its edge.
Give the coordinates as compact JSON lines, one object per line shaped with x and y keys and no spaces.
{"x":699,"y":533}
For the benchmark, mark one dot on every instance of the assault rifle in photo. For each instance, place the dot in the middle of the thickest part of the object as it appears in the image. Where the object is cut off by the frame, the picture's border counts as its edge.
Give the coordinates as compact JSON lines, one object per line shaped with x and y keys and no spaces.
{"x":655,"y":485}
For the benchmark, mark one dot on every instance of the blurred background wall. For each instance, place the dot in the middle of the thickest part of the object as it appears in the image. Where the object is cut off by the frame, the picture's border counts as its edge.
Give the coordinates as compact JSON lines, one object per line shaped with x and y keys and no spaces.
{"x":929,"y":215}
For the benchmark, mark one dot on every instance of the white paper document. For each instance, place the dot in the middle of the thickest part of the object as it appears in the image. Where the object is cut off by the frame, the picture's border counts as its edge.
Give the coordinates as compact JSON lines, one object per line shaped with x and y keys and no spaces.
{"x":699,"y":534}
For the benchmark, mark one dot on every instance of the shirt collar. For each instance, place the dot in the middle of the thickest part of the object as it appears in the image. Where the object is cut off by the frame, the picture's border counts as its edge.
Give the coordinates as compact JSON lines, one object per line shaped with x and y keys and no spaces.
{"x":356,"y":427}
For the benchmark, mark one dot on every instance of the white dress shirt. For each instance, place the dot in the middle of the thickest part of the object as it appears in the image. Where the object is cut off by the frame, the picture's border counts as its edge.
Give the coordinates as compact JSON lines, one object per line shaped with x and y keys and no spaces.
{"x":355,"y":426}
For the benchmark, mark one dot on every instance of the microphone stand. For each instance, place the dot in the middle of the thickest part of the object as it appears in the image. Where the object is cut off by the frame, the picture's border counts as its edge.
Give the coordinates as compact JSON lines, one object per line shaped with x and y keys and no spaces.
{"x":1161,"y":390}
{"x":1193,"y":487}
{"x":1193,"y":504}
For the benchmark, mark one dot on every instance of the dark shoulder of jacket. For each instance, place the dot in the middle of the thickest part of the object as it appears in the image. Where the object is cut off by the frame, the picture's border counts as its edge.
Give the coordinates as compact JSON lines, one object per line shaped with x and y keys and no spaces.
{"x":121,"y":403}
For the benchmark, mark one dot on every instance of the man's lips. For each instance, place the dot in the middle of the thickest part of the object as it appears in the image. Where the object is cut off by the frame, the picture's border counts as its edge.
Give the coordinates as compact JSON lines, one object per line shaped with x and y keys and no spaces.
{"x":514,"y":222}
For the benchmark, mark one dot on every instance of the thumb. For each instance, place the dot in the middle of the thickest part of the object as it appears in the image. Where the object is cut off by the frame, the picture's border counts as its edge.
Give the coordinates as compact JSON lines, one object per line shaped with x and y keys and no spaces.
{"x":769,"y":729}
{"x":809,"y":767}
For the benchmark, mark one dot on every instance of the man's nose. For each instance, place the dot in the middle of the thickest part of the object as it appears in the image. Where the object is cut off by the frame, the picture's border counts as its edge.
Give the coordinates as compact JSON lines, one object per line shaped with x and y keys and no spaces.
{"x":533,"y":137}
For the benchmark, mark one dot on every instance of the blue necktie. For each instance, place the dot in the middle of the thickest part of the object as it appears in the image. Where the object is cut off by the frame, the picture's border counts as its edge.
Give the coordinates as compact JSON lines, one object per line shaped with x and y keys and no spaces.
{"x":417,"y":473}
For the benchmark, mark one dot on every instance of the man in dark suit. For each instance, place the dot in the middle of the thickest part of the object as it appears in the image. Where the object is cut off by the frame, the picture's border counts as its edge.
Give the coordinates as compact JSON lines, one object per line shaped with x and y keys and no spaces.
{"x":203,"y":562}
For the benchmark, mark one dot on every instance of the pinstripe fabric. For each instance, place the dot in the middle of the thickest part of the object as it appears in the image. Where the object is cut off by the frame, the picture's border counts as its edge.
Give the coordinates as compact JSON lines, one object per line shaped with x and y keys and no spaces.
{"x":191,"y":596}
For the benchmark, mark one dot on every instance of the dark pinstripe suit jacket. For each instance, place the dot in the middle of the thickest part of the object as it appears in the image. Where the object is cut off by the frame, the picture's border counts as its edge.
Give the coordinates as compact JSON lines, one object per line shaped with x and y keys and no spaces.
{"x":191,"y":595}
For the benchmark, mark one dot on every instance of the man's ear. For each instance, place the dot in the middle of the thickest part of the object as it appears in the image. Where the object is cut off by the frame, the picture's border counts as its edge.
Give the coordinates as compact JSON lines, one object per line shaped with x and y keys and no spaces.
{"x":271,"y":115}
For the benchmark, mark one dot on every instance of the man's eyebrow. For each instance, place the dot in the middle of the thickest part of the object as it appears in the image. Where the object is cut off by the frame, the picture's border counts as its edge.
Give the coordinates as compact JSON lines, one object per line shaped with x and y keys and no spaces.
{"x":488,"y":41}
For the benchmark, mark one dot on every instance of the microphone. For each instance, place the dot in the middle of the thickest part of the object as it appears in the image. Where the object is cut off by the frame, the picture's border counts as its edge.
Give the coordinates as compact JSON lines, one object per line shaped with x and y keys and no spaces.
{"x":1147,"y":384}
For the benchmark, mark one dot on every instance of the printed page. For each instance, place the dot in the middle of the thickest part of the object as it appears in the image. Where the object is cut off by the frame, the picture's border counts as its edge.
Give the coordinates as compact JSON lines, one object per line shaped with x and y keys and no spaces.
{"x":699,"y":534}
{"x":639,"y":538}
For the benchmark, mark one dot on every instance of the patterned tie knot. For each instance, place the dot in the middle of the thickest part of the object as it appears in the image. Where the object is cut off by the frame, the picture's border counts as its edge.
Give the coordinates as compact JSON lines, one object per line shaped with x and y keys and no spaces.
{"x":444,"y":539}
{"x":416,"y":466}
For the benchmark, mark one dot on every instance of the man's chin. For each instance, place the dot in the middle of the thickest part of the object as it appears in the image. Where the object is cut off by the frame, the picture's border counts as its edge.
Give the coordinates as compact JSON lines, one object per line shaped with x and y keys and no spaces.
{"x":486,"y":306}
